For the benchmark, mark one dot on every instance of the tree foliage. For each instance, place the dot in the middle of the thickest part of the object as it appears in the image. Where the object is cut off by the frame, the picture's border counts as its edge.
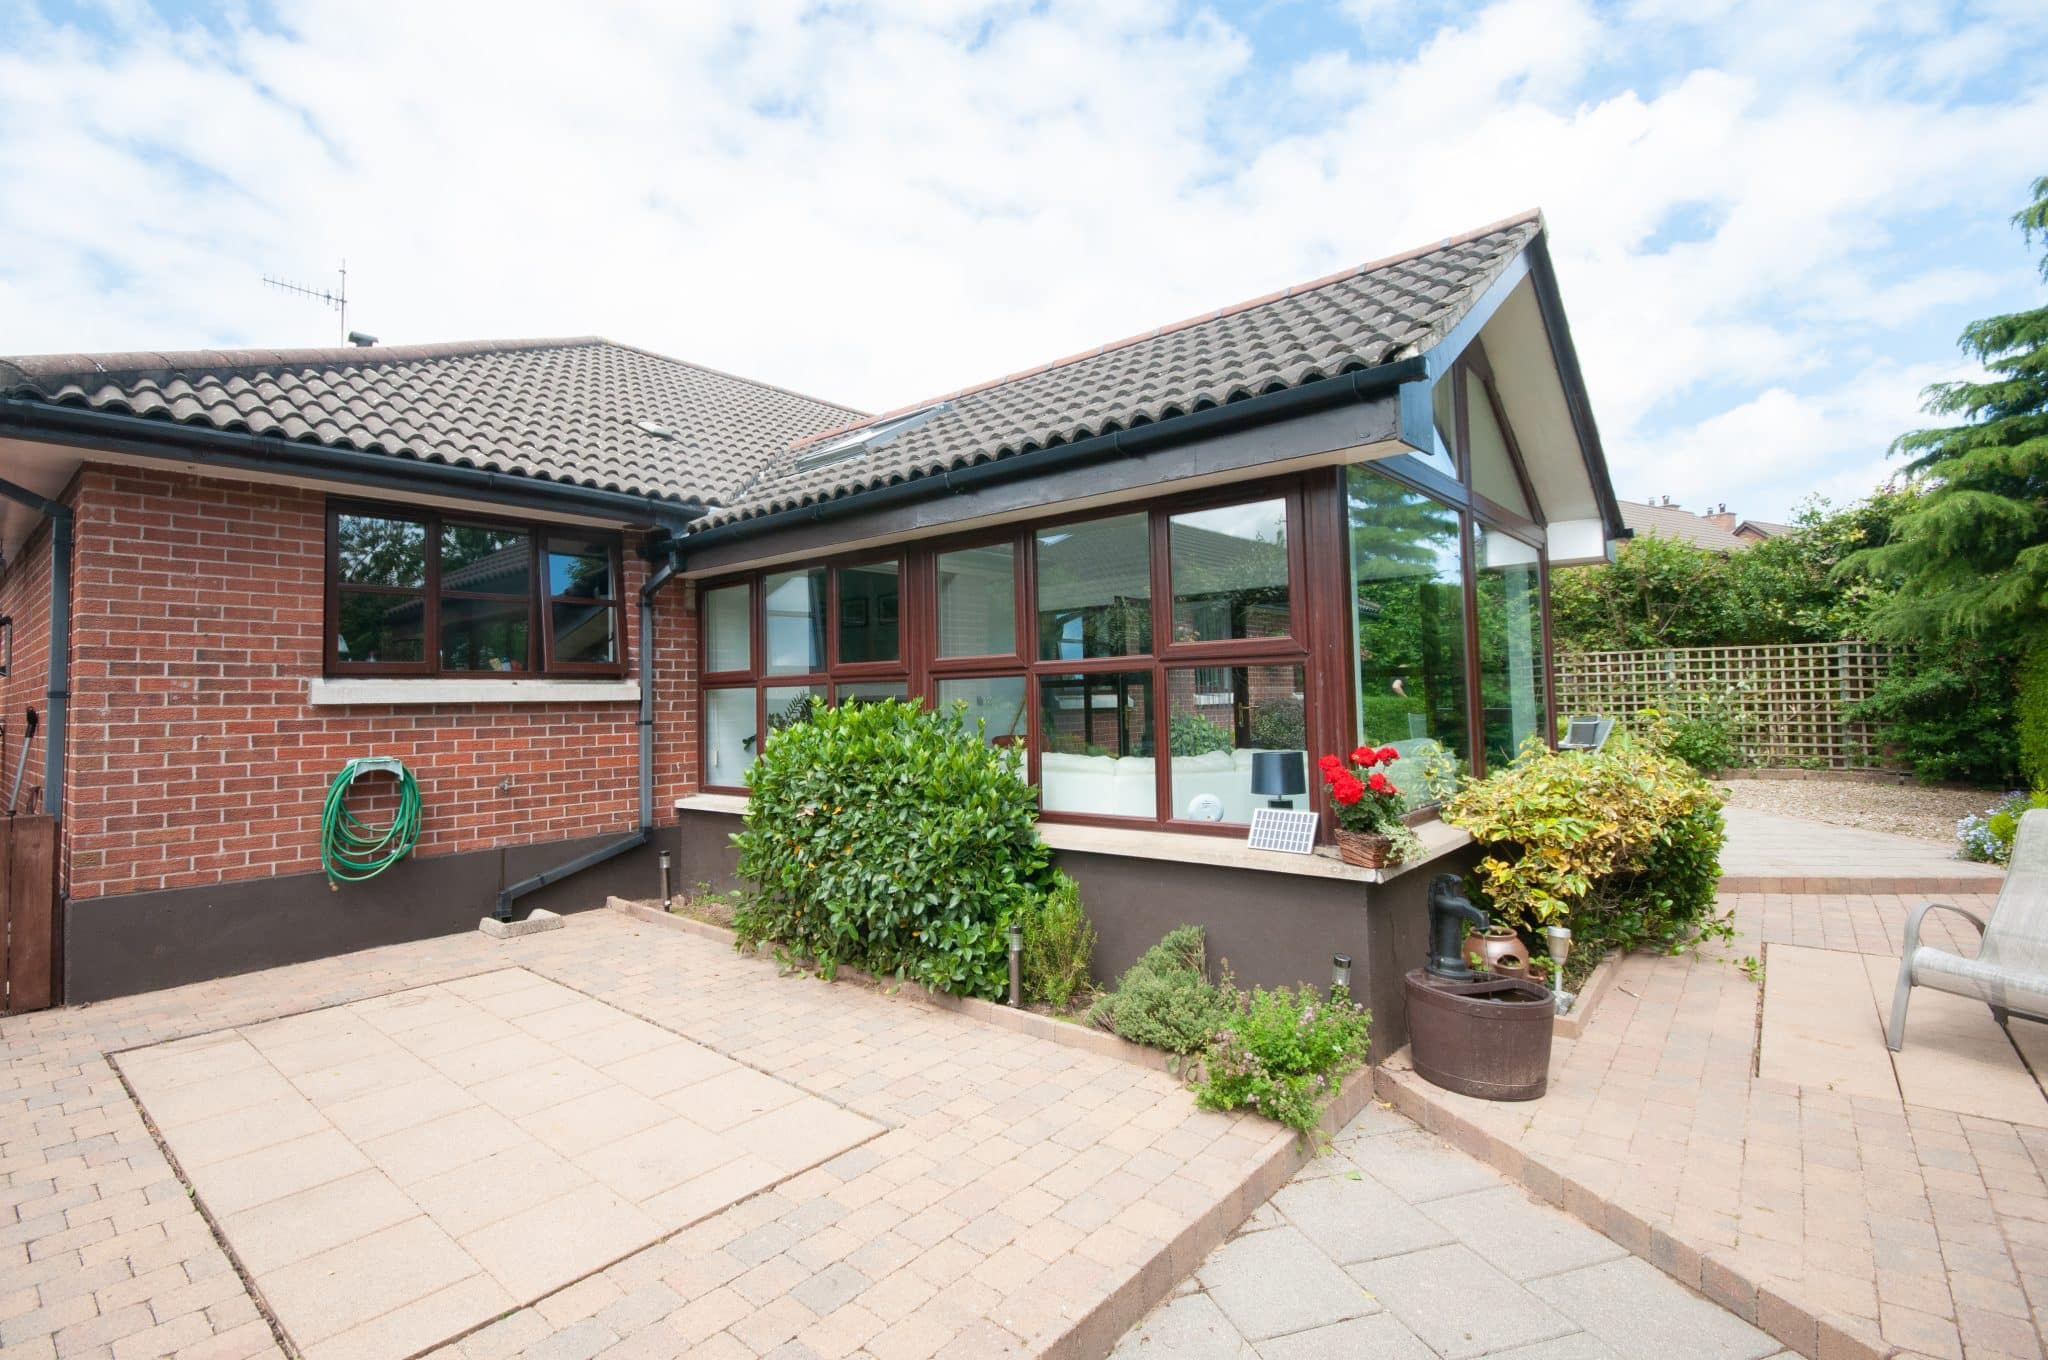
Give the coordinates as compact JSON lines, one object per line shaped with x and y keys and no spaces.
{"x":1971,"y":558}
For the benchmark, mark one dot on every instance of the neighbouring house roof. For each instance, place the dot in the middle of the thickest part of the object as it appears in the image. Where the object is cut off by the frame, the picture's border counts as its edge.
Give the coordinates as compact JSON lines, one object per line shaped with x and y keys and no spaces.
{"x":1357,"y":319}
{"x":1683,"y":525}
{"x":560,"y":410}
{"x":1763,"y":528}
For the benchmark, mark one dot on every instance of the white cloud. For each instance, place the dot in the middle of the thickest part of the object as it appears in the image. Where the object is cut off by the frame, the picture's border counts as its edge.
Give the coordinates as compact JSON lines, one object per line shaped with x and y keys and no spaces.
{"x":877,"y":204}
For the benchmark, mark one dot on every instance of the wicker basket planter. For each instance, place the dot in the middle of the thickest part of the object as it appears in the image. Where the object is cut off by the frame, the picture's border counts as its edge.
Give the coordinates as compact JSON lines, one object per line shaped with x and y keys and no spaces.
{"x":1367,"y":849}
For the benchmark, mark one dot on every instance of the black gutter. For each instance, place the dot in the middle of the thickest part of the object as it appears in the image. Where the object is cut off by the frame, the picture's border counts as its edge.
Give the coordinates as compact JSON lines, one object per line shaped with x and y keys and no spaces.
{"x":241,"y":451}
{"x":59,"y":698}
{"x":1138,"y":439}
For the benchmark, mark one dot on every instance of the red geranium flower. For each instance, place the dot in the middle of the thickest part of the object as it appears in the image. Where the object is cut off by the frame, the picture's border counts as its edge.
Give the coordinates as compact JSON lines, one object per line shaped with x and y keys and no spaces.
{"x":1364,"y":755}
{"x":1347,"y":790}
{"x":1388,"y":755}
{"x":1330,"y":763}
{"x":1379,"y":783}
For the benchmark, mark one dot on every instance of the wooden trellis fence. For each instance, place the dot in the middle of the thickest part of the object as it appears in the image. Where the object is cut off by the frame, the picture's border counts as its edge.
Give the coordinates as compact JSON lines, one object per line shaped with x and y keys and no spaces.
{"x":1790,"y":698}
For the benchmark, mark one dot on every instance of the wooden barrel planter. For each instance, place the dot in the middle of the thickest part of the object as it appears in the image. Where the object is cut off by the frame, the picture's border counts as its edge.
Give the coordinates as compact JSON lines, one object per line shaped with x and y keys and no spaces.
{"x":1489,"y":1037}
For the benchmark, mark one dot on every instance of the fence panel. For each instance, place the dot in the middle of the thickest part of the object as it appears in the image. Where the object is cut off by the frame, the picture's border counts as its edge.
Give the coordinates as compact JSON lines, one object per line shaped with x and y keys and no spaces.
{"x":1792,"y":696}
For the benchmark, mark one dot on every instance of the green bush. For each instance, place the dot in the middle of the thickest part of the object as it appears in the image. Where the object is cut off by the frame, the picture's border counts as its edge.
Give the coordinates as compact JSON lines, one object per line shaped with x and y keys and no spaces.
{"x":1279,"y":724}
{"x":891,"y":838}
{"x":1946,"y":708}
{"x":1165,"y":999}
{"x":1705,"y":741}
{"x":1283,"y":1053}
{"x":1622,"y":844}
{"x":1058,"y":945}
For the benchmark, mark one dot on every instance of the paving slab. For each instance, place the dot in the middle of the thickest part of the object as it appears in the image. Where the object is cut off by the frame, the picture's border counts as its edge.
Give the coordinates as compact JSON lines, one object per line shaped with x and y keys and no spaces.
{"x":544,"y":1174}
{"x":1520,"y":1238}
{"x":1277,"y":1281}
{"x":1352,"y":1218}
{"x":1457,"y":1303}
{"x":1956,"y":1057}
{"x":1638,"y":1310}
{"x":1819,"y":1026}
{"x":1379,"y":1337}
{"x":1190,"y":1327}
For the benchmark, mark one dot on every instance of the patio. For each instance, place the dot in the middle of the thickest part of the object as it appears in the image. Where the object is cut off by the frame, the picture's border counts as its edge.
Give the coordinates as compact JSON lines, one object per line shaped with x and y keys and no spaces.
{"x":1776,"y":1157}
{"x":981,"y":1192}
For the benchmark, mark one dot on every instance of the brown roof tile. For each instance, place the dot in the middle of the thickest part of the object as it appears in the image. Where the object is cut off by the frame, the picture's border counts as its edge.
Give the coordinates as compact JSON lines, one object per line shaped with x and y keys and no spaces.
{"x":1359,"y":318}
{"x":563,"y":410}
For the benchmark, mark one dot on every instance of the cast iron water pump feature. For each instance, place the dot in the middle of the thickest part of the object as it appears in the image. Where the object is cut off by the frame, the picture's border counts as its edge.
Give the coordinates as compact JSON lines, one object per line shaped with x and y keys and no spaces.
{"x":1449,"y":914}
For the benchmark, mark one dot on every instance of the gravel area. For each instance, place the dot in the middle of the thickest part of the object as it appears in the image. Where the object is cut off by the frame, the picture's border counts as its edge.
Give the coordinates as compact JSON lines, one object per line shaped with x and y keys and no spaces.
{"x":1902,"y":809}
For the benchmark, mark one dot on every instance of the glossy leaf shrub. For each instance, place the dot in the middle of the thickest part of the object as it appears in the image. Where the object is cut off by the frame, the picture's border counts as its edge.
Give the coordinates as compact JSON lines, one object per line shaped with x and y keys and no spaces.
{"x":893,"y":839}
{"x":1283,"y":1054}
{"x":1623,"y":844}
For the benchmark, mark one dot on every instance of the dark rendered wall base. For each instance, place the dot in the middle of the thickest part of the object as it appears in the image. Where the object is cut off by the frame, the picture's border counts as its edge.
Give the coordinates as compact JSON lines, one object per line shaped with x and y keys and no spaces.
{"x":138,"y":942}
{"x":1273,"y":929}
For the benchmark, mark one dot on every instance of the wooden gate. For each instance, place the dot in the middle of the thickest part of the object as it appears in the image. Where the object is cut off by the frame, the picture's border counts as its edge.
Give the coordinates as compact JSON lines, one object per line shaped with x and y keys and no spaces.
{"x":28,"y":911}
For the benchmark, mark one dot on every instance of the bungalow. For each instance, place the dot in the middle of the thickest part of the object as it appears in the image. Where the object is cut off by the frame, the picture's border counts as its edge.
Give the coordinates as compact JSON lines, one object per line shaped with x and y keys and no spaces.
{"x":574,"y":586}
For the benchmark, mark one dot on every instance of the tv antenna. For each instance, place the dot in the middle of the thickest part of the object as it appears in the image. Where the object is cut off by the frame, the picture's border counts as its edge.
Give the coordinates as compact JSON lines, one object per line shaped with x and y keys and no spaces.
{"x":337,"y":298}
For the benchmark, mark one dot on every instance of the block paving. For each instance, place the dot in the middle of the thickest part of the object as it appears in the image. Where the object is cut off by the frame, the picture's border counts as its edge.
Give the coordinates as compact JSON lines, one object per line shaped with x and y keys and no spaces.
{"x":1022,"y":1196}
{"x":1396,"y":1245}
{"x":1844,"y":1225}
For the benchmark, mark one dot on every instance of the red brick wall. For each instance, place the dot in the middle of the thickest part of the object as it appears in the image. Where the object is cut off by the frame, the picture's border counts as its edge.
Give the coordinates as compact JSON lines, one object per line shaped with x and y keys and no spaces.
{"x":195,"y":755}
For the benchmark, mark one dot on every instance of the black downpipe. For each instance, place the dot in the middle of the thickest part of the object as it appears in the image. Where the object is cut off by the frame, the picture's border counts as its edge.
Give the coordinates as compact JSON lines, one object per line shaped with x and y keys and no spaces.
{"x":511,"y":894}
{"x":60,"y":641}
{"x":1138,"y":439}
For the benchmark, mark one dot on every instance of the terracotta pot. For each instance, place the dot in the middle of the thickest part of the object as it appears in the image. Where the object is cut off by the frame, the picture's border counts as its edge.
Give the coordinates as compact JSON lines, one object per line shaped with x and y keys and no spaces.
{"x":1367,"y":849}
{"x":1499,"y":951}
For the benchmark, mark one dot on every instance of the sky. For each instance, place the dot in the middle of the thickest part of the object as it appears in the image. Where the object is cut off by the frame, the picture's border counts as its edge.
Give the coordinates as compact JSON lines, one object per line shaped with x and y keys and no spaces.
{"x":1770,"y":219}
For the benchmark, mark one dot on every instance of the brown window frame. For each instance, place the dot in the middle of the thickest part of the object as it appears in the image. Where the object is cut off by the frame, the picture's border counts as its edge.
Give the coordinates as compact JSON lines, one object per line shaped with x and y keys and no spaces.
{"x":540,"y":638}
{"x":921,"y":668}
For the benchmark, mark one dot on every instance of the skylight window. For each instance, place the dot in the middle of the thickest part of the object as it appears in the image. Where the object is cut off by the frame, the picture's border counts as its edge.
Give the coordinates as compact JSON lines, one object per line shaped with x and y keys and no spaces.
{"x":854,"y":443}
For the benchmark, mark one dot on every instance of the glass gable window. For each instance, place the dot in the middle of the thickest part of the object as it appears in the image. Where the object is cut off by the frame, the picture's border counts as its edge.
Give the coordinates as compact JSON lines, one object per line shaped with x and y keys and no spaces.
{"x":1407,"y":578}
{"x":414,"y":594}
{"x":1095,"y":589}
{"x":1509,"y":589}
{"x":1493,"y":468}
{"x":1229,"y":572}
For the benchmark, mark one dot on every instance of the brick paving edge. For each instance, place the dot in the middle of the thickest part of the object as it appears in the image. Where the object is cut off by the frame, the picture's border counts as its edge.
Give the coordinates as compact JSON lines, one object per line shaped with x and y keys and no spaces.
{"x":1589,"y":998}
{"x":1095,"y":1334}
{"x":1815,"y":1333}
{"x":1874,"y":887}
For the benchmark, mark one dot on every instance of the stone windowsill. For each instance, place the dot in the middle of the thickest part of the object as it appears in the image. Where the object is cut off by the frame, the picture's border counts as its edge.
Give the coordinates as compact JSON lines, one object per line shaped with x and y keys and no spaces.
{"x":324,"y":691}
{"x":1438,"y":840}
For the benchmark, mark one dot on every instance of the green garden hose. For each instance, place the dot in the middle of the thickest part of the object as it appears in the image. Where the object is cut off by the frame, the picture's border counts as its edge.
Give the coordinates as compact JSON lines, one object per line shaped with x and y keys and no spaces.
{"x":353,"y":852}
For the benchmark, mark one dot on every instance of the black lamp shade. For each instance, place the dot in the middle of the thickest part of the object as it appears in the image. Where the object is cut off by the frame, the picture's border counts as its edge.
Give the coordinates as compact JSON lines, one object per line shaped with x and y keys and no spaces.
{"x":1279,"y":774}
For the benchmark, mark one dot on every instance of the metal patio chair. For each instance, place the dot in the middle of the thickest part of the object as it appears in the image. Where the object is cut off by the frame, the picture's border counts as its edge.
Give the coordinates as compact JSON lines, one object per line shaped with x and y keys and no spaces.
{"x":2010,"y":972}
{"x":1587,"y":733}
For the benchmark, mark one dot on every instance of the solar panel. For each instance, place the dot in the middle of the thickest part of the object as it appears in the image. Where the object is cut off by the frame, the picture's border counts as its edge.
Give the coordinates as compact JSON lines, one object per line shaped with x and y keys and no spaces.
{"x":1283,"y":829}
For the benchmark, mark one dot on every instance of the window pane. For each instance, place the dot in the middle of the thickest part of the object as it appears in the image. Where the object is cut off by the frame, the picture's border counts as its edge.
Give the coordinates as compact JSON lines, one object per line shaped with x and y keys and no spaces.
{"x":867,"y":613}
{"x":795,"y":606}
{"x":728,"y":735}
{"x":381,"y":628}
{"x":484,"y":635}
{"x":1096,"y":744}
{"x":871,"y":691}
{"x":1511,"y":689}
{"x":729,"y":631}
{"x":374,"y":551}
{"x":1095,"y":589}
{"x":997,"y":702}
{"x":1230,"y":572}
{"x":978,"y":601}
{"x":583,"y":633}
{"x":792,"y":704}
{"x":1218,"y":717}
{"x":479,"y":558}
{"x":1493,"y":470}
{"x":1406,"y":578}
{"x":580,"y":567}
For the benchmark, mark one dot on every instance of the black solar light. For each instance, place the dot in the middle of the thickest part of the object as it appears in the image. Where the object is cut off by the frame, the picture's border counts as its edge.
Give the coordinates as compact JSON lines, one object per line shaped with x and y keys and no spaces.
{"x":1281,"y":776}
